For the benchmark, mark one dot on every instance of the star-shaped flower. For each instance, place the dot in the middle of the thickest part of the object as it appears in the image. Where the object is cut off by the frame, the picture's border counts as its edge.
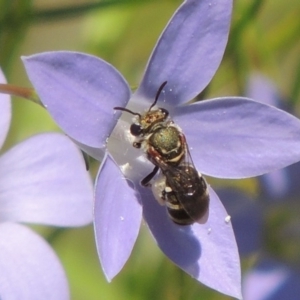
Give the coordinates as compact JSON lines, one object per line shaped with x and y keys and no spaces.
{"x":42,"y":181}
{"x":228,"y":137}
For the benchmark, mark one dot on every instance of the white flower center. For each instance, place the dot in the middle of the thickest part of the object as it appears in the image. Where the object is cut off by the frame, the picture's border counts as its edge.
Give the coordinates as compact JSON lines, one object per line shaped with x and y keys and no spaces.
{"x":132,"y":162}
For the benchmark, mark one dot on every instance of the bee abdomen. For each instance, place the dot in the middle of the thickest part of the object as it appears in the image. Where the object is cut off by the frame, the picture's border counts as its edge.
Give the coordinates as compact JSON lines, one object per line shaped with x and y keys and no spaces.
{"x":176,"y":211}
{"x":189,"y":204}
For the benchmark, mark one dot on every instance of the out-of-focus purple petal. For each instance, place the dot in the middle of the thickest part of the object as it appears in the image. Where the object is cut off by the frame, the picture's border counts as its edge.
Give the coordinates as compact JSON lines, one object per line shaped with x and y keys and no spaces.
{"x":80,"y":92}
{"x":271,"y":281}
{"x":5,"y":112}
{"x":276,"y":186}
{"x":246,"y":217}
{"x":44,"y":180}
{"x":262,"y":90}
{"x":280,"y":184}
{"x":238,"y":137}
{"x":30,"y":270}
{"x":207,"y":251}
{"x":189,"y":51}
{"x":118,"y":217}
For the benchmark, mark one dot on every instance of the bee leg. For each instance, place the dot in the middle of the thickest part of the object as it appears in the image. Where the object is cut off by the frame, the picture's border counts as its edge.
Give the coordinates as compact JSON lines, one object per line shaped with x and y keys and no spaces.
{"x":146,"y":180}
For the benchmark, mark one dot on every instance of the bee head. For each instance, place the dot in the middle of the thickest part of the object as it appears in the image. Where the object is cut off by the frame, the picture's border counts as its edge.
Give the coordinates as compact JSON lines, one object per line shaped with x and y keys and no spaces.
{"x":149,"y":119}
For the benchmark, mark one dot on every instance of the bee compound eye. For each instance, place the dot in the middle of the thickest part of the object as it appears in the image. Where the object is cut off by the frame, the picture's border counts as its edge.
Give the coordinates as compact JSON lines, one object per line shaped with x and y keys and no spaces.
{"x":135,"y":129}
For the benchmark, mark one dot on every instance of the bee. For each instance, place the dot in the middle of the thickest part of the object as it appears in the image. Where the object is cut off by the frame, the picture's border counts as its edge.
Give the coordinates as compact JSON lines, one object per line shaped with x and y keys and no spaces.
{"x":182,"y":189}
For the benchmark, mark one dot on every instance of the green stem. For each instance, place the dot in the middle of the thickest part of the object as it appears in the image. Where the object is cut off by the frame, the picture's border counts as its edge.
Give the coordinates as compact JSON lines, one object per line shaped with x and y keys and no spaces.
{"x":56,"y":233}
{"x":73,"y":11}
{"x":26,"y":93}
{"x":249,"y":14}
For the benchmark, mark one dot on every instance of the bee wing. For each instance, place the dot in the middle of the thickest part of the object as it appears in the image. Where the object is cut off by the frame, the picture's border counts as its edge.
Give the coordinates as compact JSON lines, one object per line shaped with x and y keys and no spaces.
{"x":190,"y":189}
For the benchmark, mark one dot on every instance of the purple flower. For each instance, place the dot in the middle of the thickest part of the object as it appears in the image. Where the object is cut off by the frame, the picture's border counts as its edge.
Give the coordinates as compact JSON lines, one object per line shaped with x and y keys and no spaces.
{"x":228,"y":137}
{"x":42,"y":181}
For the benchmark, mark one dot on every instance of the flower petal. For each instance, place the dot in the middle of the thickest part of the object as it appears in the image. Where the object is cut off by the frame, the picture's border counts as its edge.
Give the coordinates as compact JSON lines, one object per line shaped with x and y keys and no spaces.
{"x":80,"y":91}
{"x":238,"y":137}
{"x":117,"y":218}
{"x":44,"y":180}
{"x":271,"y":280}
{"x":30,"y":270}
{"x":5,"y":112}
{"x":189,"y":51}
{"x":246,"y":216}
{"x":207,"y":251}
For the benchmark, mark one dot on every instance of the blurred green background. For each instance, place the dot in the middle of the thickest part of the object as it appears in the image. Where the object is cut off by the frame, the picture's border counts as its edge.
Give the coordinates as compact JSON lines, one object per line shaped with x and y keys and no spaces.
{"x":264,"y":37}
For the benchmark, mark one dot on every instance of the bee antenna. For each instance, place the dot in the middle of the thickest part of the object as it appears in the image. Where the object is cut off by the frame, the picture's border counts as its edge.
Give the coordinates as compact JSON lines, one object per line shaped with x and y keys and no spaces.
{"x":127,"y":110}
{"x":158,"y":93}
